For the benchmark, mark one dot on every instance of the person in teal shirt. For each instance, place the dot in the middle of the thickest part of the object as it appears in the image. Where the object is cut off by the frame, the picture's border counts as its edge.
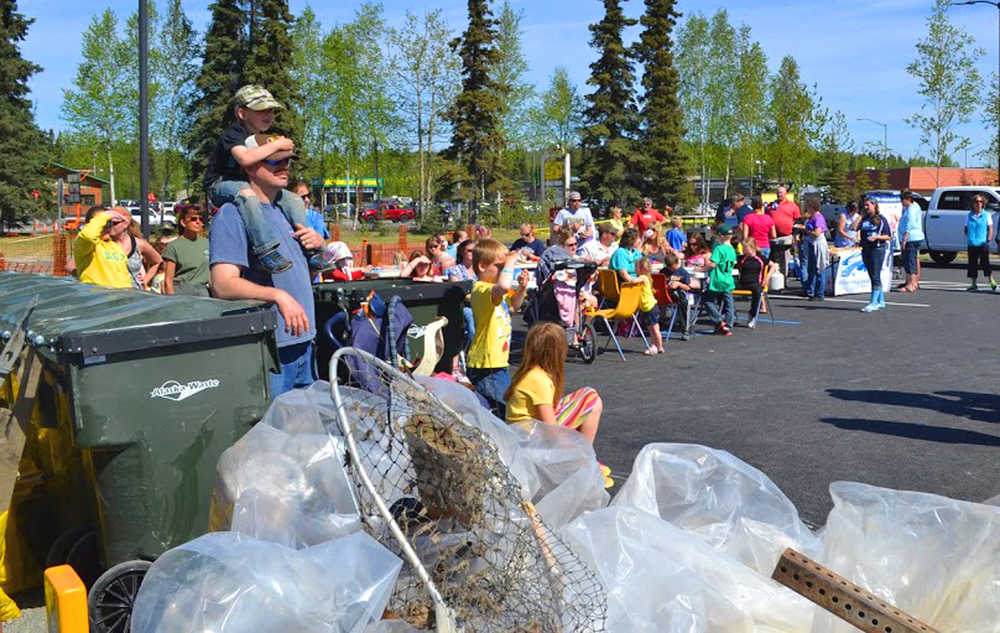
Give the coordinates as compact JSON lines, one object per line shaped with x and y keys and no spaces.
{"x":720,"y":283}
{"x":979,"y":234}
{"x":624,"y":258}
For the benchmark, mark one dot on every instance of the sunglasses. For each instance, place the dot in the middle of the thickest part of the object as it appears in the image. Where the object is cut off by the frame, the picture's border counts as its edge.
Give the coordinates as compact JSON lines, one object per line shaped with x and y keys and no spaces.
{"x":277,"y":163}
{"x":525,"y":234}
{"x":194,"y":218}
{"x":569,"y":244}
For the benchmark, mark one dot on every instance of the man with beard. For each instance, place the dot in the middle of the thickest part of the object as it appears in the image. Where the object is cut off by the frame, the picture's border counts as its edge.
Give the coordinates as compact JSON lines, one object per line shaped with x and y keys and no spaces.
{"x":236,"y":273}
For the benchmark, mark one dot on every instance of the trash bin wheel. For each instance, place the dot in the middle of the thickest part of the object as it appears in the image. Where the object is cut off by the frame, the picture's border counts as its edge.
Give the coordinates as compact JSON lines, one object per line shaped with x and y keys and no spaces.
{"x":78,"y":549}
{"x":111,"y":598}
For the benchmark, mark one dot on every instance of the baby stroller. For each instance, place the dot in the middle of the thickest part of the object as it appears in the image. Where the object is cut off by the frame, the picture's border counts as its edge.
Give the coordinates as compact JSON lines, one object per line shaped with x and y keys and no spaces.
{"x":558,"y":300}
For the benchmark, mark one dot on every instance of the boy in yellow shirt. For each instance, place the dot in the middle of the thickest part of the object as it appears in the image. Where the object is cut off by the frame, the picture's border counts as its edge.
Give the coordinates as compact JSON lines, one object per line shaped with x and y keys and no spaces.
{"x":649,"y":309}
{"x":99,"y":259}
{"x":492,"y":301}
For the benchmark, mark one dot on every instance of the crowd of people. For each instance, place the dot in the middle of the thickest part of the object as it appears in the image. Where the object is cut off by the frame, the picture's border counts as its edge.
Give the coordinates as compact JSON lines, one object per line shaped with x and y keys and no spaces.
{"x":266,"y":243}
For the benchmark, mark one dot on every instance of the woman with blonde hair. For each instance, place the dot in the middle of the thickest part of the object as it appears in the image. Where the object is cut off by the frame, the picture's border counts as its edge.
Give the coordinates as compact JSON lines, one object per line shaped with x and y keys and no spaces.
{"x":143,"y":260}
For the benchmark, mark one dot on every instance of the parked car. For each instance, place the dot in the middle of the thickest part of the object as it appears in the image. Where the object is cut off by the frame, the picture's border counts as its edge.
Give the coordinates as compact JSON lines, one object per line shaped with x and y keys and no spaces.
{"x":944,"y":221}
{"x":387,"y":211}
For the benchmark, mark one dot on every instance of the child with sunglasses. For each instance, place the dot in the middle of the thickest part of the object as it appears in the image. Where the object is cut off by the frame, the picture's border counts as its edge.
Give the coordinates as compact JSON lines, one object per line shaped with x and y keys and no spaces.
{"x":226,"y":182}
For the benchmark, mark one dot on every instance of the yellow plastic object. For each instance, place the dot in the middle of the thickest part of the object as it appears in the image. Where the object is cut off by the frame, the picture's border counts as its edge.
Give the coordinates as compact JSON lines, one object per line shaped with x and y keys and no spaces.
{"x":8,"y":608}
{"x":65,"y":601}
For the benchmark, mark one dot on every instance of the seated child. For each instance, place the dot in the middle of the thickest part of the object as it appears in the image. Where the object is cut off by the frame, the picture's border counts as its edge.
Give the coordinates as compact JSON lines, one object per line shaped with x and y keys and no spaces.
{"x":755,"y":271}
{"x":226,"y":182}
{"x":649,"y":309}
{"x":676,"y":236}
{"x":680,"y":283}
{"x":536,"y":389}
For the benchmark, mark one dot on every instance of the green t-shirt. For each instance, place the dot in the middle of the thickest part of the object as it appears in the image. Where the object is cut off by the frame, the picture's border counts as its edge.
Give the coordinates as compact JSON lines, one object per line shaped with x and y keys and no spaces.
{"x":721,"y":279}
{"x":191,"y":257}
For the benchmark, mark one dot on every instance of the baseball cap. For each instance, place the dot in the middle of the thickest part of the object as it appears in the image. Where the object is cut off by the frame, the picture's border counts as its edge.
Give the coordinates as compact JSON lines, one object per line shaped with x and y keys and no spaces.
{"x":259,"y":140}
{"x":574,"y":195}
{"x":724,"y":230}
{"x":254,"y":97}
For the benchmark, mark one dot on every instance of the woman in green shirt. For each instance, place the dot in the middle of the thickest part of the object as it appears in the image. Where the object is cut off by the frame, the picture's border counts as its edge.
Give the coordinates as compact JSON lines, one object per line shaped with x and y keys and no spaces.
{"x":185,"y":259}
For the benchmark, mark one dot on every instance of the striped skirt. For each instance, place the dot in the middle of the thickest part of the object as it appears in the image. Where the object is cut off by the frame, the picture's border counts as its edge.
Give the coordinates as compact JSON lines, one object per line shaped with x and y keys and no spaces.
{"x":575,"y":406}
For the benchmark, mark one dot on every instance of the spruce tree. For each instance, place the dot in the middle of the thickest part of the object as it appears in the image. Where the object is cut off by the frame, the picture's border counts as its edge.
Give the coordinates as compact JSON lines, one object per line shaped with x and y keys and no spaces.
{"x":220,"y":77}
{"x":476,"y":141}
{"x":19,"y":136}
{"x":609,"y":167}
{"x":664,"y":161}
{"x":269,"y":63}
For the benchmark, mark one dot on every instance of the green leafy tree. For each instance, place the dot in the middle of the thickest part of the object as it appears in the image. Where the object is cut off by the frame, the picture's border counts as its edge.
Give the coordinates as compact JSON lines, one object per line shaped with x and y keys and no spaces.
{"x":558,"y":117}
{"x":175,"y":69}
{"x":515,"y":94}
{"x":427,"y":72}
{"x":836,"y":146}
{"x":665,"y":162}
{"x":220,"y":77}
{"x":311,"y":72}
{"x":796,"y":120}
{"x":991,"y":119}
{"x":609,"y":157}
{"x":750,"y":118}
{"x":101,"y":102}
{"x":723,"y":55}
{"x":945,"y":69}
{"x":695,"y":68}
{"x":19,"y":136}
{"x":477,"y":139}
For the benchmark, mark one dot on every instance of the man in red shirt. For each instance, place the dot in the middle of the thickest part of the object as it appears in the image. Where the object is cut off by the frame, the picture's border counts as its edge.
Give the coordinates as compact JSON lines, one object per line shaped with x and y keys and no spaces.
{"x":645,"y":217}
{"x":784,"y":213}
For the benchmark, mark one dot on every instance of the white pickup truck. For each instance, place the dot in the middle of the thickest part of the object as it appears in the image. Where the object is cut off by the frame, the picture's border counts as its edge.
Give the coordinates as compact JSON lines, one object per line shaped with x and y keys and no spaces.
{"x":944,"y":221}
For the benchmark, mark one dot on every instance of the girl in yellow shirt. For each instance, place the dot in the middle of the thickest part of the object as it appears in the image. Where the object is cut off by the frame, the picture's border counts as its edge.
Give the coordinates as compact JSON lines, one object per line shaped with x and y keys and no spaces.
{"x":98,"y":257}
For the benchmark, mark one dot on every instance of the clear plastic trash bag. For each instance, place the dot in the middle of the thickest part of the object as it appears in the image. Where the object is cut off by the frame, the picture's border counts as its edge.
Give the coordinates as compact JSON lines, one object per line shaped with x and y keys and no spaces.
{"x":556,"y":466}
{"x":936,"y":558}
{"x":664,"y":580}
{"x":729,"y":504}
{"x":225,"y":582}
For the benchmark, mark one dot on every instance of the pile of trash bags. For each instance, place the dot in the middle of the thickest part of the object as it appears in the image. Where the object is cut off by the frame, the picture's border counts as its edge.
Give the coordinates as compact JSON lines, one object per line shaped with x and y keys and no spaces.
{"x":687,"y":545}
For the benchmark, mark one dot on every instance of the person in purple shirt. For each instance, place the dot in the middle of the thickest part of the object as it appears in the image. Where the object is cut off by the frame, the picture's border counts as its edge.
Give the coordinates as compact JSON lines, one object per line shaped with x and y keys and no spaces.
{"x":815,"y":250}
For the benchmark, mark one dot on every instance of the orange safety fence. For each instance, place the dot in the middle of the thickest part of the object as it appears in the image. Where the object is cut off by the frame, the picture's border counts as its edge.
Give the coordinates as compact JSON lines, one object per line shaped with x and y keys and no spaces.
{"x":49,"y":254}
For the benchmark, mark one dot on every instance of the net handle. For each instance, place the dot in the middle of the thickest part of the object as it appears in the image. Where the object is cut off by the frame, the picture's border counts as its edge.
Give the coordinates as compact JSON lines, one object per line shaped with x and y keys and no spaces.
{"x":444,"y":617}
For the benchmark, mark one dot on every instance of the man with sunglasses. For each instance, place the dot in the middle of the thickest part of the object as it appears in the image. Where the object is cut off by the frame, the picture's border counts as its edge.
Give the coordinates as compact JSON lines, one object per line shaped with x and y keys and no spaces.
{"x":237,"y":273}
{"x":528,"y":241}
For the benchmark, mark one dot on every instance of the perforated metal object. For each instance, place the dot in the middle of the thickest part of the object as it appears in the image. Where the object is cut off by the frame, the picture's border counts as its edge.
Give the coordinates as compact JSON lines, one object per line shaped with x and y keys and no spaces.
{"x":843,"y":598}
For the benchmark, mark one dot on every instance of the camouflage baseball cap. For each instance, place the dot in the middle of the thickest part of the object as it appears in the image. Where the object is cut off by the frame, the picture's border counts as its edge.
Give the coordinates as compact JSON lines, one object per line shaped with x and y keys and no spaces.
{"x":254,"y":97}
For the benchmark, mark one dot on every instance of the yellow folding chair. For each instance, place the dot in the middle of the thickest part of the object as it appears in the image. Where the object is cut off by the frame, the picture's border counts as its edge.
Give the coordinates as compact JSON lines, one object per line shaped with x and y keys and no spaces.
{"x":627,"y":309}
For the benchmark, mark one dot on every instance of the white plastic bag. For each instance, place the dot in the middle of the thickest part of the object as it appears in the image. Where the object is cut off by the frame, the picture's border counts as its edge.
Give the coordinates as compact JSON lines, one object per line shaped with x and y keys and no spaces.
{"x":224,"y":582}
{"x":729,"y":504}
{"x":936,"y":558}
{"x":556,"y":466}
{"x":660,"y":578}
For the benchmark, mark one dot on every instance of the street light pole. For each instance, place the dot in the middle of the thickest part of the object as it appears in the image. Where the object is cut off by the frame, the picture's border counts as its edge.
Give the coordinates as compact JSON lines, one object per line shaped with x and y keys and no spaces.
{"x":997,"y":5}
{"x":144,"y":116}
{"x":885,"y":140}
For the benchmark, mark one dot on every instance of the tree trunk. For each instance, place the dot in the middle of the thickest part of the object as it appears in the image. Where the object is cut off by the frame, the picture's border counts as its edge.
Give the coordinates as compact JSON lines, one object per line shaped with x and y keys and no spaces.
{"x":729,"y":163}
{"x":111,"y":177}
{"x":420,"y":154}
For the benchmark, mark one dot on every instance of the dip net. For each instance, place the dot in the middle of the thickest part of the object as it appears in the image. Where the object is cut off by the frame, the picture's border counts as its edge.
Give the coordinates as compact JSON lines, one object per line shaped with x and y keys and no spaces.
{"x":433,"y":489}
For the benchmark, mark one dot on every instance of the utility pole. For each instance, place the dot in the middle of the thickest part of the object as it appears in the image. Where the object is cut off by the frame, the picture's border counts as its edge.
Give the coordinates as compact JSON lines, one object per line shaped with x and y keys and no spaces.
{"x":885,"y":140}
{"x":144,"y":116}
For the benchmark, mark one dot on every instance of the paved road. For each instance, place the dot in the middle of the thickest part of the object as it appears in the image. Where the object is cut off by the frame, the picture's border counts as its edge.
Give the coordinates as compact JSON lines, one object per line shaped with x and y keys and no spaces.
{"x":905,"y":398}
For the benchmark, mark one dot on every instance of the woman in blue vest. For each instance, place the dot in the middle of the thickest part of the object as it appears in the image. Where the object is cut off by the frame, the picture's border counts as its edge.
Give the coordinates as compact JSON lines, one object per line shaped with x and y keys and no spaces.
{"x":843,"y":235}
{"x":875,"y":235}
{"x":979,"y":234}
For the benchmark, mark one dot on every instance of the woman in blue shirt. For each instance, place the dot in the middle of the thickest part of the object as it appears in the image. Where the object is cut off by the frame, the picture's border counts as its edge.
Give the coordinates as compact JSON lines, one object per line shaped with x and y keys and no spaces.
{"x":843,"y":235}
{"x":979,"y":233}
{"x":875,"y":235}
{"x":911,"y":240}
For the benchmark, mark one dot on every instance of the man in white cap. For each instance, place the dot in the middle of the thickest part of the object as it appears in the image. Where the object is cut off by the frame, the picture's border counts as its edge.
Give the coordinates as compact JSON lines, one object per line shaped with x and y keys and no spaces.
{"x":576,"y":217}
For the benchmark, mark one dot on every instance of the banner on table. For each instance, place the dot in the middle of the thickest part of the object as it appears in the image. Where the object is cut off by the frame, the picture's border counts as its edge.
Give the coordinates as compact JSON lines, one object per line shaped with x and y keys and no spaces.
{"x":849,"y":275}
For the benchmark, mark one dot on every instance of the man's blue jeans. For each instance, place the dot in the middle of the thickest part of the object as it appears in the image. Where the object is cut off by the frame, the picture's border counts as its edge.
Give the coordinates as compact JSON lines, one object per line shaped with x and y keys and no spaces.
{"x":492,"y":384}
{"x":298,"y":368}
{"x":262,"y":236}
{"x":814,"y":283}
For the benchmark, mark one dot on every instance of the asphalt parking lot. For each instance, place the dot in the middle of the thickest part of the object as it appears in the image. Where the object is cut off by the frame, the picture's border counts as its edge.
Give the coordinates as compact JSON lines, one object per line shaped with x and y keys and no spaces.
{"x":904,"y":398}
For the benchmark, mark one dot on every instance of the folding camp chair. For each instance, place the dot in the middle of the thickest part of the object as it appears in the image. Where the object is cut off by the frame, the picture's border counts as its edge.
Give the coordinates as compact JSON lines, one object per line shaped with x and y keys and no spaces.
{"x":766,"y":307}
{"x":663,"y":298}
{"x":607,"y":285}
{"x":627,"y":308}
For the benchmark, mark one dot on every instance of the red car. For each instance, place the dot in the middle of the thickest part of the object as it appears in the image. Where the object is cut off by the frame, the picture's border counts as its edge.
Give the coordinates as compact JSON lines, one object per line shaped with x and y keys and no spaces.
{"x":387,"y":211}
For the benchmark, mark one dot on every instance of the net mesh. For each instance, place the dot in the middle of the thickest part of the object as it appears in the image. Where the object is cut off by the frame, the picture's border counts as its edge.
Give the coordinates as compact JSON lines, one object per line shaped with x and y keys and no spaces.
{"x":493,"y":561}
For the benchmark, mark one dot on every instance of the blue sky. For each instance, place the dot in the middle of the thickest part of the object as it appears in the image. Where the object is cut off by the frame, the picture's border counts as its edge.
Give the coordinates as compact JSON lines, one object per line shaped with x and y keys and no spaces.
{"x":856,"y":51}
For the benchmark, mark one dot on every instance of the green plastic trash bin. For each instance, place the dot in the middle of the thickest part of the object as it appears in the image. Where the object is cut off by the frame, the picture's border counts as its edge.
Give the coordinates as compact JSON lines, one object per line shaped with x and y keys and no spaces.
{"x":146,"y":391}
{"x":425,"y":301}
